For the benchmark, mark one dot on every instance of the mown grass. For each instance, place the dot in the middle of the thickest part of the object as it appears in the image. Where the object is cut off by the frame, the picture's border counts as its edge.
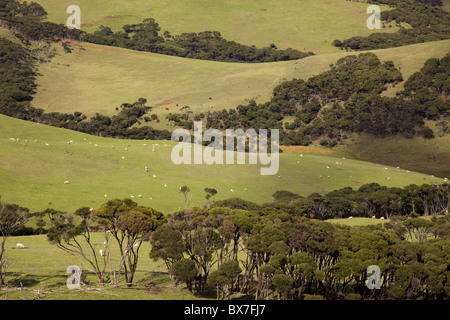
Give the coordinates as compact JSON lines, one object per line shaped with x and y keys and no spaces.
{"x":33,"y":173}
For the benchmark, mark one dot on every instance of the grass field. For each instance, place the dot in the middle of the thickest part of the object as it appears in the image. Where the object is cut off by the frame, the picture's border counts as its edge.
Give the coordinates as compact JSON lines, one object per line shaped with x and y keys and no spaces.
{"x":307,"y":25}
{"x":41,"y":268}
{"x":33,"y":173}
{"x":431,"y":156}
{"x":100,"y":78}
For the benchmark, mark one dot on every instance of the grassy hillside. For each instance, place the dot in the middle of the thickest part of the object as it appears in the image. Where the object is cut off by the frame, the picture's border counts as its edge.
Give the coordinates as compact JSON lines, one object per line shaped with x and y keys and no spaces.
{"x":100,"y":78}
{"x":33,"y":173}
{"x":429,"y":156}
{"x":307,"y":25}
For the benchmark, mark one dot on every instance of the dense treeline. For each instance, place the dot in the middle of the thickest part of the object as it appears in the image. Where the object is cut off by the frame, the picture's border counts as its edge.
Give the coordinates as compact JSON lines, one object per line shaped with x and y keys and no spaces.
{"x":27,"y":21}
{"x":207,"y":45}
{"x":427,"y":23}
{"x":278,"y":250}
{"x":275,"y":251}
{"x":343,"y":100}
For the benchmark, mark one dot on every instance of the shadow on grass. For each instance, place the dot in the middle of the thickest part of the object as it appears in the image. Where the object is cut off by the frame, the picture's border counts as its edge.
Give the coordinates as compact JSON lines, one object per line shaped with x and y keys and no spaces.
{"x":32,"y":280}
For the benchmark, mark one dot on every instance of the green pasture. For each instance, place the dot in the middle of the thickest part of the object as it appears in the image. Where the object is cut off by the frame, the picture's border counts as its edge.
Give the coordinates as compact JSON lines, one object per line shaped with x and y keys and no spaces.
{"x":33,"y":174}
{"x":306,"y":25}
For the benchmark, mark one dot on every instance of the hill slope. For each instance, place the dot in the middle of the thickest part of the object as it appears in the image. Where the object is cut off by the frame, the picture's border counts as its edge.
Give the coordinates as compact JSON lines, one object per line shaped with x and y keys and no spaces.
{"x":33,"y":173}
{"x":100,"y":78}
{"x":307,"y":25}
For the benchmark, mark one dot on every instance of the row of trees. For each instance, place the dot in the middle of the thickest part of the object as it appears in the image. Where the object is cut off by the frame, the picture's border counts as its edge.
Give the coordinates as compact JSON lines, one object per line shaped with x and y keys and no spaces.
{"x":427,"y":23}
{"x":283,"y":249}
{"x":207,"y":45}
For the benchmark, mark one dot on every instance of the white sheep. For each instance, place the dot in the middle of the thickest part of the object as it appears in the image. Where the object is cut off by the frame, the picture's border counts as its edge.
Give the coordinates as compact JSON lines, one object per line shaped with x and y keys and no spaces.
{"x":146,"y":169}
{"x":373,"y":217}
{"x":350,"y":217}
{"x":19,"y":245}
{"x":231,"y":190}
{"x":101,"y":252}
{"x":66,"y":182}
{"x":382,"y":218}
{"x":140,"y":196}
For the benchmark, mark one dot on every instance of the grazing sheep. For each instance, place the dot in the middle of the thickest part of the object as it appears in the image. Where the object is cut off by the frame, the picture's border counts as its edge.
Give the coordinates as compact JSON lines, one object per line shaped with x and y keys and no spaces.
{"x":388,"y":178}
{"x":131,"y":196}
{"x":46,"y":144}
{"x":19,"y":245}
{"x":154,"y":176}
{"x":140,"y":196}
{"x":328,"y":167}
{"x":106,"y":195}
{"x":146,"y":169}
{"x":301,"y":155}
{"x":12,"y":139}
{"x":36,"y":140}
{"x":245,"y":189}
{"x":123,"y":157}
{"x":350,"y":217}
{"x":382,"y":218}
{"x":101,"y":252}
{"x":373,"y":217}
{"x":231,"y":190}
{"x":66,"y":182}
{"x":165,"y":185}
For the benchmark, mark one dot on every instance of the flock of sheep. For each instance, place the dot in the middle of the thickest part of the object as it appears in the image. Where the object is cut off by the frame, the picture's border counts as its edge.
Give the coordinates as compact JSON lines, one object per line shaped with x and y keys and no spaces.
{"x":155,"y":145}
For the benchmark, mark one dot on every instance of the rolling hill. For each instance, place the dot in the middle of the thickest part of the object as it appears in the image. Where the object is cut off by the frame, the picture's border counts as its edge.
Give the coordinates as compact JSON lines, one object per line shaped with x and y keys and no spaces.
{"x":33,"y":173}
{"x":307,"y":25}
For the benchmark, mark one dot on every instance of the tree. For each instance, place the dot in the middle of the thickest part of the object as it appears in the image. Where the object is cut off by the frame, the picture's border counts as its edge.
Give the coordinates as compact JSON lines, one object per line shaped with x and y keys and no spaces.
{"x":185,"y":270}
{"x":129,"y":224}
{"x":66,"y":235}
{"x":12,"y":218}
{"x":185,"y":191}
{"x":167,"y":244}
{"x":224,"y":277}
